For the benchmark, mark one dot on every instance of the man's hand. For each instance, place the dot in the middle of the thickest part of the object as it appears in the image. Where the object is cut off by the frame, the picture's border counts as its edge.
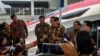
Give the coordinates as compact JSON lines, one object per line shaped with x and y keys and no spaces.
{"x":41,"y":40}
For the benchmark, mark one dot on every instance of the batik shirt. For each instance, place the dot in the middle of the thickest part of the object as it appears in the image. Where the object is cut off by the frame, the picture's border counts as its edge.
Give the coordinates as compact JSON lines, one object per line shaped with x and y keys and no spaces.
{"x":19,"y":29}
{"x":57,"y":33}
{"x":40,"y":29}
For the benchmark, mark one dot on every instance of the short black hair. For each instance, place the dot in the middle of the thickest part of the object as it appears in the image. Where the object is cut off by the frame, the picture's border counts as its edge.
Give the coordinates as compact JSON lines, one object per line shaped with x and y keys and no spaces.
{"x":52,"y":17}
{"x":12,"y":16}
{"x":55,"y":18}
{"x":78,"y":22}
{"x":88,"y":23}
{"x":41,"y":17}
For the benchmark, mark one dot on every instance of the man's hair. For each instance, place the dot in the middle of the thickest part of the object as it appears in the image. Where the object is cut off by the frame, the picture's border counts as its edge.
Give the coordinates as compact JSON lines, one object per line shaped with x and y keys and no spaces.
{"x":55,"y":18}
{"x":88,"y":23}
{"x":52,"y":17}
{"x":12,"y":16}
{"x":78,"y":22}
{"x":41,"y":17}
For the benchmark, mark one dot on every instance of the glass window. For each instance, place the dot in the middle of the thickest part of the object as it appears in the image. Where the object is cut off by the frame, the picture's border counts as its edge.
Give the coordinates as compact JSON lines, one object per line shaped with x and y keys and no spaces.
{"x":74,"y":14}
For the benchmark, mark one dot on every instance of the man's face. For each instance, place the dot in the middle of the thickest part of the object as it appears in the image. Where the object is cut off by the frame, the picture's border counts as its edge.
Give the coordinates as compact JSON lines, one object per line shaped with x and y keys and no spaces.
{"x":14,"y":18}
{"x":42,"y":20}
{"x":76,"y":26}
{"x":52,"y":22}
{"x":85,"y":27}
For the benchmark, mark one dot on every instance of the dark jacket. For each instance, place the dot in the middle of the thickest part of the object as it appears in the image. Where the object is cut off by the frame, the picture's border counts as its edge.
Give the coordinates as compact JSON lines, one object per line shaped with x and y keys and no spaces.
{"x":84,"y":44}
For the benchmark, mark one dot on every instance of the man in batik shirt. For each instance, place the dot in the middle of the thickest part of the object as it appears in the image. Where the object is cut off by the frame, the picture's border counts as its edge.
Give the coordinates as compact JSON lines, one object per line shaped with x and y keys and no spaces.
{"x":57,"y":31}
{"x":41,"y":29}
{"x":18,"y":28}
{"x":73,"y":33}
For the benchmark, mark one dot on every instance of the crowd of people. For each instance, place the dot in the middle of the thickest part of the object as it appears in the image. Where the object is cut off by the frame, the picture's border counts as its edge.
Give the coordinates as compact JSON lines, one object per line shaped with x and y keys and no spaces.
{"x":80,"y":41}
{"x":13,"y":35}
{"x":55,"y":33}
